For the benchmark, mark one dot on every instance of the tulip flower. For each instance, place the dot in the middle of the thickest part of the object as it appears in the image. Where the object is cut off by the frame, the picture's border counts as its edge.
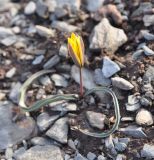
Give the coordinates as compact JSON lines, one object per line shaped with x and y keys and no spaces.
{"x":76,"y":51}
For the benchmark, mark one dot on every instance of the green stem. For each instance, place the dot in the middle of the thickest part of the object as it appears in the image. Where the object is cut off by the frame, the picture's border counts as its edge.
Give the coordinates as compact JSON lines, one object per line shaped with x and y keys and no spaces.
{"x":81,"y":83}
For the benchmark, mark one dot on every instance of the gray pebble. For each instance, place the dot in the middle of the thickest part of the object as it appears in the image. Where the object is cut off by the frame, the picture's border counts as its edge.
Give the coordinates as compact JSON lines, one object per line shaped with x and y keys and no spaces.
{"x":30,"y":8}
{"x":100,"y":79}
{"x":51,"y":62}
{"x":80,"y":157}
{"x":44,"y":120}
{"x":63,"y":51}
{"x":11,"y":72}
{"x":59,"y":80}
{"x":44,"y":31}
{"x":59,"y":130}
{"x":15,"y":91}
{"x":41,"y":152}
{"x":121,"y":83}
{"x":109,"y":67}
{"x":149,"y":74}
{"x":45,"y":80}
{"x":41,"y":141}
{"x":145,"y":101}
{"x":133,"y":131}
{"x":147,"y":151}
{"x":96,"y":119}
{"x":104,"y":35}
{"x":8,"y":41}
{"x":38,"y":60}
{"x":91,"y":156}
{"x":64,"y":27}
{"x":144,"y":117}
{"x":41,"y":9}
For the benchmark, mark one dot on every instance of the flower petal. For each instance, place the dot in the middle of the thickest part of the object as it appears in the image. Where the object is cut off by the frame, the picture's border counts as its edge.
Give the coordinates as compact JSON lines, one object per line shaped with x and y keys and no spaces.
{"x":75,"y":59}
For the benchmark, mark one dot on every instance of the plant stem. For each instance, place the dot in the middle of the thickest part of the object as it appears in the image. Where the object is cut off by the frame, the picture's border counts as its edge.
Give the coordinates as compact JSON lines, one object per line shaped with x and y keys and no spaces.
{"x":81,"y":82}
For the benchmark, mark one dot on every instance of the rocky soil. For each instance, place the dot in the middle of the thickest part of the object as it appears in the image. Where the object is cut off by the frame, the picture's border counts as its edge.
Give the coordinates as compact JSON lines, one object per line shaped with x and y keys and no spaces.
{"x":119,"y":54}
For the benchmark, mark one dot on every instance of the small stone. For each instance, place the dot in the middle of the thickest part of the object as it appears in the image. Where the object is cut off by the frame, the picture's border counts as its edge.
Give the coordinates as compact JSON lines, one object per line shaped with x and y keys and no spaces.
{"x":30,"y":8}
{"x":11,"y":72}
{"x":148,"y":36}
{"x":2,"y":96}
{"x":19,"y":152}
{"x":5,"y":32}
{"x":9,"y":153}
{"x":51,"y":62}
{"x":87,"y":77}
{"x":71,"y":144}
{"x":59,"y":131}
{"x":133,"y":107}
{"x":67,"y":157}
{"x":101,"y":157}
{"x":91,"y":156}
{"x":96,"y":119}
{"x":100,"y":79}
{"x":15,"y":92}
{"x":45,"y":80}
{"x":60,"y":12}
{"x":63,"y":26}
{"x":119,"y":146}
{"x":121,"y":157}
{"x":107,"y":37}
{"x":74,"y":5}
{"x":44,"y":31}
{"x":38,"y":60}
{"x":112,"y":11}
{"x":148,"y":151}
{"x":147,"y":87}
{"x":93,"y":6}
{"x":63,"y":51}
{"x":145,"y":6}
{"x":109,"y":67}
{"x":150,"y":95}
{"x":44,"y":120}
{"x":8,"y":41}
{"x":144,"y":117}
{"x":59,"y":80}
{"x":133,"y":131}
{"x":124,"y":140}
{"x":148,"y":51}
{"x":149,"y":74}
{"x":41,"y":153}
{"x":133,"y":103}
{"x":20,"y":130}
{"x":145,"y":101}
{"x":41,"y":141}
{"x":148,"y":20}
{"x":109,"y":142}
{"x":127,"y":119}
{"x":40,"y":94}
{"x":121,"y":83}
{"x":132,"y":99}
{"x":79,"y":157}
{"x":65,"y":107}
{"x":41,"y":9}
{"x":137,"y":54}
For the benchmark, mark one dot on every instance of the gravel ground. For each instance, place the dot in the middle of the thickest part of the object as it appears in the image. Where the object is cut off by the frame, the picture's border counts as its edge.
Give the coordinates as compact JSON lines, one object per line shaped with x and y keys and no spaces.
{"x":119,"y":54}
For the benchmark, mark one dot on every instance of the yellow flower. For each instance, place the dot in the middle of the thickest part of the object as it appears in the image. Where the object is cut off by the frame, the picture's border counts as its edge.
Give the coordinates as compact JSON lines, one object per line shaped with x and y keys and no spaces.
{"x":76,"y":49}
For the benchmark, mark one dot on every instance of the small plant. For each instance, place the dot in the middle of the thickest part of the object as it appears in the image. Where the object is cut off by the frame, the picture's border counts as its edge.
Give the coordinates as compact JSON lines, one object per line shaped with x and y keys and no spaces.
{"x":76,"y":51}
